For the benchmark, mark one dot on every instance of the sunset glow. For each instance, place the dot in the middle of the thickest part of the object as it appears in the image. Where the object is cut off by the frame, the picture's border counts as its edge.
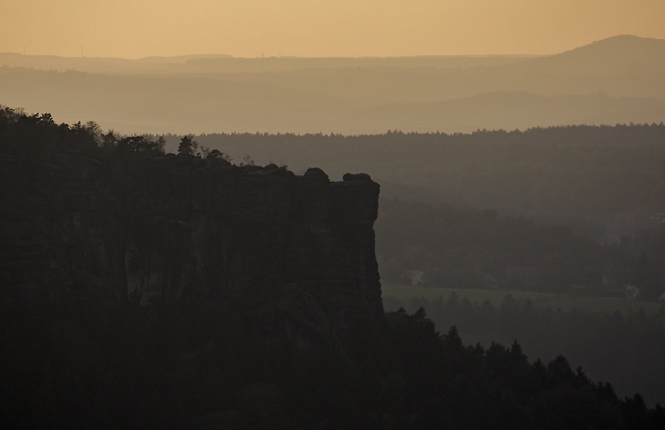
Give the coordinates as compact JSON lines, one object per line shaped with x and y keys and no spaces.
{"x":134,"y":29}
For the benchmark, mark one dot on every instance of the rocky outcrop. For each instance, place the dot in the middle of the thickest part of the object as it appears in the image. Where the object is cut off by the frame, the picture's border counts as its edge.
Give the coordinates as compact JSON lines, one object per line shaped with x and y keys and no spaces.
{"x":179,"y":229}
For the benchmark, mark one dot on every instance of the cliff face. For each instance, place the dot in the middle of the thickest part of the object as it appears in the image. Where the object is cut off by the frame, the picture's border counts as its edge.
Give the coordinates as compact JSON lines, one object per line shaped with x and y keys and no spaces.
{"x":298,"y":251}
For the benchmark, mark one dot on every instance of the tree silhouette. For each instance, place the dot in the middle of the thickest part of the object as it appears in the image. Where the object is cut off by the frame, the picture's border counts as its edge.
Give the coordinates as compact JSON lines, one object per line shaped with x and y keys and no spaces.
{"x":187,"y":145}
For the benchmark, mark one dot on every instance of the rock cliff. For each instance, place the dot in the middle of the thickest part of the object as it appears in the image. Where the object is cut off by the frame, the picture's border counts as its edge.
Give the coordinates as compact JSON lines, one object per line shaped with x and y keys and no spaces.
{"x":297,"y":251}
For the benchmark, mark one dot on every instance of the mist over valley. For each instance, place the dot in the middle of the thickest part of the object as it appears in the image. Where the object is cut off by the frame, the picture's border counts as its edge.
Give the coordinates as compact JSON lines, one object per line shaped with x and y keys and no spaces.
{"x":617,"y":80}
{"x":208,"y":241}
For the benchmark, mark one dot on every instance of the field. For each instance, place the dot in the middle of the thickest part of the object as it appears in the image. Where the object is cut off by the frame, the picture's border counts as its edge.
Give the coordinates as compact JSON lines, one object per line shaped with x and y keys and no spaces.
{"x":405,"y":293}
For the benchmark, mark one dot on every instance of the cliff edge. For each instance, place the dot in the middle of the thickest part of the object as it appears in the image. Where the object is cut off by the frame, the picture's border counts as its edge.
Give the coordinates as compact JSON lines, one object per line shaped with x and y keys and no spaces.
{"x":297,"y":252}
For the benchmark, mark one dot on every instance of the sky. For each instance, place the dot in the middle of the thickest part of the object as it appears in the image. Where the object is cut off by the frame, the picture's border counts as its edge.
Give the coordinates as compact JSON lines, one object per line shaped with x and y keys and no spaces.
{"x":318,"y":28}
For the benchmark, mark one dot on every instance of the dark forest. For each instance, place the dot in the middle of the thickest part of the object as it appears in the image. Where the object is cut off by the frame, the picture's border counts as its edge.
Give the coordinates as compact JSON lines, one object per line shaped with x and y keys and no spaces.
{"x":261,"y":340}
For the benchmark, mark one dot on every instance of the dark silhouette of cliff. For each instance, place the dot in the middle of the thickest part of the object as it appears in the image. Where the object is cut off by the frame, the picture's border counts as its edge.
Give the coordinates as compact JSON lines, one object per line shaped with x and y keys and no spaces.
{"x":148,"y":290}
{"x":119,"y":259}
{"x":105,"y":226}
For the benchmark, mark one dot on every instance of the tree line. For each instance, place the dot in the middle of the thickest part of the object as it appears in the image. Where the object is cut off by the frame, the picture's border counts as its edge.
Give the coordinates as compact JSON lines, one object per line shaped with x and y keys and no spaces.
{"x":460,"y":247}
{"x":624,"y":348}
{"x":211,"y":365}
{"x":595,"y":171}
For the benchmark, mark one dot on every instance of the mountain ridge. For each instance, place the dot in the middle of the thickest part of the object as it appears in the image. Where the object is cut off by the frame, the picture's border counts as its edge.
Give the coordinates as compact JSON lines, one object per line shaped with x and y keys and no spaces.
{"x":630,"y":44}
{"x":618,"y":54}
{"x":348,"y":96}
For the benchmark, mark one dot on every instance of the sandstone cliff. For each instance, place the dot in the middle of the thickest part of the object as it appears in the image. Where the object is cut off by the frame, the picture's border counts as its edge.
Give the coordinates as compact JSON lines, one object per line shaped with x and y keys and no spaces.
{"x":296,"y":251}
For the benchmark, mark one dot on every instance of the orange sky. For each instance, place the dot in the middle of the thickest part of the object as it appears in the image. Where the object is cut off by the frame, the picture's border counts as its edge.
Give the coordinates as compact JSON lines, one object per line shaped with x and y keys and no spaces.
{"x":250,"y":28}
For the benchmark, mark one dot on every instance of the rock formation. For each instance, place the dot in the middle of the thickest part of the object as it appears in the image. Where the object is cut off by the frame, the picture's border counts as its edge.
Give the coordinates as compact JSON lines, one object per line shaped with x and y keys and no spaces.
{"x":179,"y":229}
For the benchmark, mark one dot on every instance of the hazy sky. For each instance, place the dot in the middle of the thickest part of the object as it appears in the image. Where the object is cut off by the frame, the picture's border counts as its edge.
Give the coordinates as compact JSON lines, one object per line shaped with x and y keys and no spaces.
{"x":250,"y":28}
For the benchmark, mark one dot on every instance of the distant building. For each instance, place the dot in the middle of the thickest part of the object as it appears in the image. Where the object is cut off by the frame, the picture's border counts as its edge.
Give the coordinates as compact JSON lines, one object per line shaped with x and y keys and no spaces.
{"x":490,"y":282}
{"x":631,"y":292}
{"x":414,"y":277}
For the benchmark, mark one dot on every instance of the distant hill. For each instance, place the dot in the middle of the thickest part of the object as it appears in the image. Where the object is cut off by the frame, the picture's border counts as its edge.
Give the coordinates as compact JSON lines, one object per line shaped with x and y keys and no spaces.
{"x":510,"y":110}
{"x":624,"y":54}
{"x":212,"y":63}
{"x":617,"y":80}
{"x":100,"y":64}
{"x":594,"y":171}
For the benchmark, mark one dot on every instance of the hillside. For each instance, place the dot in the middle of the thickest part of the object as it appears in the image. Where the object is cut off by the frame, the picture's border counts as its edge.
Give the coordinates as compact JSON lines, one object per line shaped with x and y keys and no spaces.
{"x":625,"y":54}
{"x":588,"y":171}
{"x":510,"y":111}
{"x":131,"y":221}
{"x":142,"y":289}
{"x":204,"y":94}
{"x":206,"y":64}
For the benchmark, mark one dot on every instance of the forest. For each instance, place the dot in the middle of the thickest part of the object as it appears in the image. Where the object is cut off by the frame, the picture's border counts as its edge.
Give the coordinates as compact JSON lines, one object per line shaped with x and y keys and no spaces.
{"x":462,"y":247}
{"x":576,"y":206}
{"x":622,"y":347}
{"x":213,"y":365}
{"x":208,"y":368}
{"x":595,"y":172}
